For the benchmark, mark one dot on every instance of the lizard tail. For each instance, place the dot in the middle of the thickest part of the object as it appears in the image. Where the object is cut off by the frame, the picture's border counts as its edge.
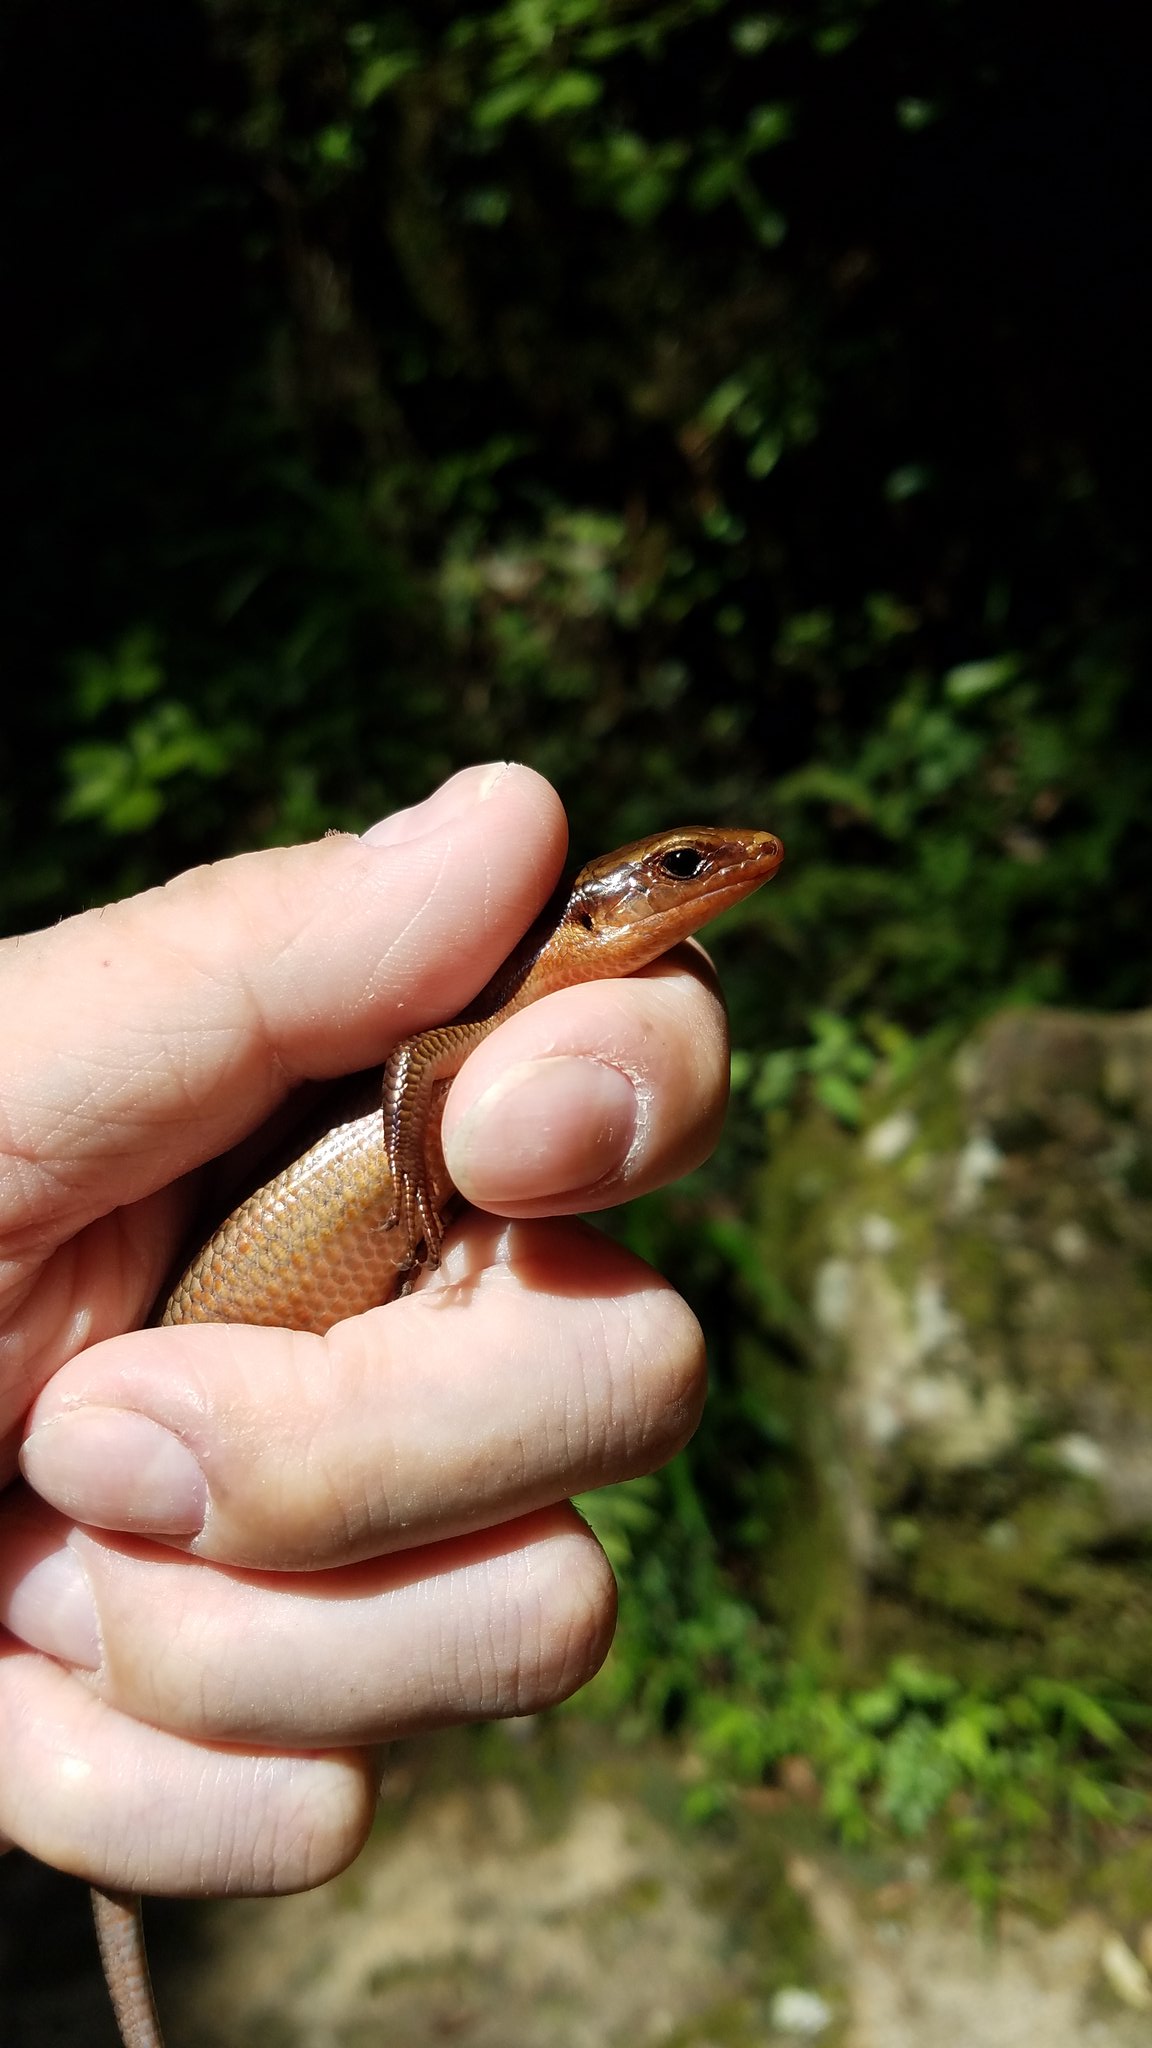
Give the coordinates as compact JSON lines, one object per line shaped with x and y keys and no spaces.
{"x":122,"y":1952}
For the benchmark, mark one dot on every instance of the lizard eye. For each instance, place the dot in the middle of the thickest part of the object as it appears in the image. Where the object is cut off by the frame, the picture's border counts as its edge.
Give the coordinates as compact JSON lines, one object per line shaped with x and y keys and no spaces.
{"x":682,"y":863}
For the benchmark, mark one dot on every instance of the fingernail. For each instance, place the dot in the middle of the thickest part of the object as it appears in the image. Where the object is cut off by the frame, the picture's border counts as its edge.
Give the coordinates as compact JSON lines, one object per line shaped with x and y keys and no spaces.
{"x":117,"y":1470}
{"x":52,"y":1609}
{"x":546,"y":1127}
{"x":461,"y":792}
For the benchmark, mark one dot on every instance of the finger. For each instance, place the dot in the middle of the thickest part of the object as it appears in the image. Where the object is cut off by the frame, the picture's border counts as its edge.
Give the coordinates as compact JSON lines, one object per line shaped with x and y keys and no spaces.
{"x":504,"y":1623}
{"x":543,"y":1361}
{"x":90,"y":1791}
{"x":593,"y":1094}
{"x":206,"y":1000}
{"x":203,"y":1004}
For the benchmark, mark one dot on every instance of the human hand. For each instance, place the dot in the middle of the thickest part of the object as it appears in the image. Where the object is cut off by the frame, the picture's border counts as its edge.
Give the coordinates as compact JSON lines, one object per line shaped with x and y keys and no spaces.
{"x":252,"y":1554}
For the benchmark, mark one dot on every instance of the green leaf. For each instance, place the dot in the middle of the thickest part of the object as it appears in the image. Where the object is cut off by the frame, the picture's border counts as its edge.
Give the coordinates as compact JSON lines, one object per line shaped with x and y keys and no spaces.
{"x":769,"y":125}
{"x":878,"y":1709}
{"x":487,"y":208}
{"x":755,"y":32}
{"x":381,"y":73}
{"x":764,"y":455}
{"x":723,"y":404}
{"x":837,"y":36}
{"x":915,"y":114}
{"x":1089,"y":1796}
{"x":920,"y":1685}
{"x":974,"y":679}
{"x":335,"y":144}
{"x":775,"y":1082}
{"x":1080,"y":1710}
{"x":771,"y":226}
{"x":495,"y":109}
{"x":126,"y":676}
{"x":714,"y":182}
{"x":907,"y":482}
{"x":840,"y":1097}
{"x":566,"y":93}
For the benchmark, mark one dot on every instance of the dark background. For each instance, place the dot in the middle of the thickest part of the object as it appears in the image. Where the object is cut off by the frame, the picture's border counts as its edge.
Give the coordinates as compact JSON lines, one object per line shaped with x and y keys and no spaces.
{"x":735,"y":415}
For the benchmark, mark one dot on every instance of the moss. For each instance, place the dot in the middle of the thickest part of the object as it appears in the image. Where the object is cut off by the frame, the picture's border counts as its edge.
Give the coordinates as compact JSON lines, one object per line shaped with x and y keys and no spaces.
{"x":976,"y":1279}
{"x":1127,"y":1358}
{"x":811,"y":1584}
{"x":737,"y":2023}
{"x":1121,"y":1883}
{"x":752,"y":1891}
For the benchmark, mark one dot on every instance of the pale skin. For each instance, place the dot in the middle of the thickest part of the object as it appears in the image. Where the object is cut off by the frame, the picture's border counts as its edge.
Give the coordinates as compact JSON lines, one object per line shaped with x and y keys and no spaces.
{"x":240,"y":1560}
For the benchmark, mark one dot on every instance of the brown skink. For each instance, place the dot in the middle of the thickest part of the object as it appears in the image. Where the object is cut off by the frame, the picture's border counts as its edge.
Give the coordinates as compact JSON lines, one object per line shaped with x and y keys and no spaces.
{"x":343,"y":1228}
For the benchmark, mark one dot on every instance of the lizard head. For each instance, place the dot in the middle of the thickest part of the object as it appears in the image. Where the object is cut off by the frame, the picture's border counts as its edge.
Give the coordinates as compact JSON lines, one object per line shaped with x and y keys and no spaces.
{"x":636,"y":903}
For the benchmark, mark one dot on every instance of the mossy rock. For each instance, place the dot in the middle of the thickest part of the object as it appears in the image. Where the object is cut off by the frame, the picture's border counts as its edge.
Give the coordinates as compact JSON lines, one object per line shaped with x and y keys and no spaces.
{"x":972,"y":1270}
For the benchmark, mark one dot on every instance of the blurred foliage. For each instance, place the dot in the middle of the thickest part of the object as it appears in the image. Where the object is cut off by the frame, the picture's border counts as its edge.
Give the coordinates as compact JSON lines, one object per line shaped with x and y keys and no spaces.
{"x":734,"y":413}
{"x":991,"y":1770}
{"x":737,"y":414}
